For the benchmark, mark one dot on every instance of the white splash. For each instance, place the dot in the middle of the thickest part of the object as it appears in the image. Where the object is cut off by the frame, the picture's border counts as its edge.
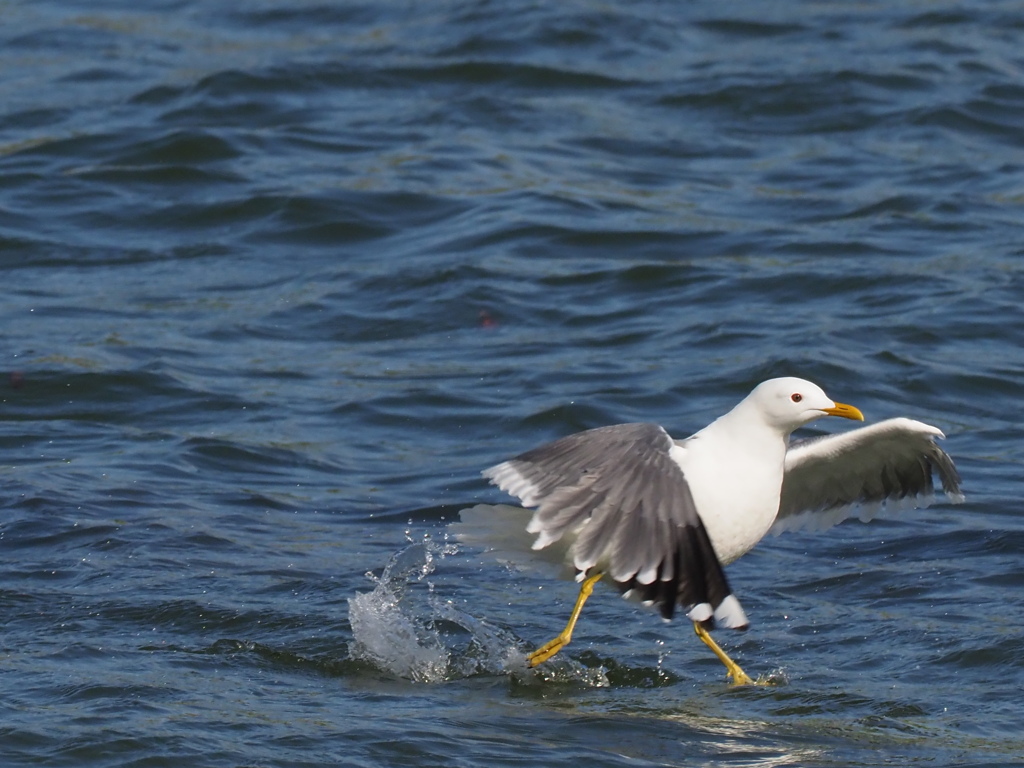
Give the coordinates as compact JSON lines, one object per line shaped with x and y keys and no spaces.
{"x":404,"y":628}
{"x":426,"y":641}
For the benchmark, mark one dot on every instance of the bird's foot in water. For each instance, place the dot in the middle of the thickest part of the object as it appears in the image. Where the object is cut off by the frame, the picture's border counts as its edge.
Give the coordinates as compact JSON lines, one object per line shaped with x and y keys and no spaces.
{"x":546,"y":651}
{"x":553,"y":646}
{"x":738,"y":677}
{"x":733,"y":670}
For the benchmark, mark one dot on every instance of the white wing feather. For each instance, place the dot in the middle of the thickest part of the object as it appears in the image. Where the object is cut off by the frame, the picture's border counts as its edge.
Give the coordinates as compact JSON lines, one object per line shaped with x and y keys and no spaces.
{"x":887,"y":464}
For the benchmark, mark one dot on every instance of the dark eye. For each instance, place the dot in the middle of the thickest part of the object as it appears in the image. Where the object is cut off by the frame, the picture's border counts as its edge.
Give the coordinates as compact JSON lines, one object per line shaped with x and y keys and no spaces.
{"x":796,"y":397}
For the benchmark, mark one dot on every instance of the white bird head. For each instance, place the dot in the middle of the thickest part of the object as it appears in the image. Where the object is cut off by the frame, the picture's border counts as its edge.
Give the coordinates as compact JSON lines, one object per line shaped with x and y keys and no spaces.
{"x":788,"y":403}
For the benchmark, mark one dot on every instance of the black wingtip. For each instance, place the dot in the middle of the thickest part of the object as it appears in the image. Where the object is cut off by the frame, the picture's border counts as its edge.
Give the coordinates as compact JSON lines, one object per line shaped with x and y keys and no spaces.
{"x":696,"y":581}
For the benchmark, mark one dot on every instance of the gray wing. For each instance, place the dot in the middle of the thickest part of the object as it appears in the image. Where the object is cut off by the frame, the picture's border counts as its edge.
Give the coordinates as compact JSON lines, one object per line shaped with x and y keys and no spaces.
{"x":833,"y":477}
{"x":619,"y":492}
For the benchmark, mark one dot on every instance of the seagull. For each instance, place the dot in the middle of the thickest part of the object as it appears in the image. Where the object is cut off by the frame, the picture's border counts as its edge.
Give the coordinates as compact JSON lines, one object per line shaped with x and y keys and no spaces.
{"x":659,"y":518}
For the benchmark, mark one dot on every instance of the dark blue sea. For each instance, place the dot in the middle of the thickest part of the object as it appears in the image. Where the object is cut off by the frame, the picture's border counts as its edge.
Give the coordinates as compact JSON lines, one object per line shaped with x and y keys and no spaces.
{"x":281,"y":277}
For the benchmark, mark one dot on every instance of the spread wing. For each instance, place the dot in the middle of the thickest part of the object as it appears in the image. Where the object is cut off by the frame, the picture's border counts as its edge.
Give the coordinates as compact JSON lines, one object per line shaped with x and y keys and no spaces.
{"x":833,"y":477}
{"x":627,"y":504}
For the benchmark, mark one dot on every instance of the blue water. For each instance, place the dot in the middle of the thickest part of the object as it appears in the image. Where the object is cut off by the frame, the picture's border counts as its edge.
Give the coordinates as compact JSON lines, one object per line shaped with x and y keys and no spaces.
{"x":280,"y":278}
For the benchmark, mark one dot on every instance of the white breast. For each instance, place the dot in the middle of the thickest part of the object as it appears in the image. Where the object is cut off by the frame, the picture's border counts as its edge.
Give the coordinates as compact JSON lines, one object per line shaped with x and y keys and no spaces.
{"x":736,"y":485}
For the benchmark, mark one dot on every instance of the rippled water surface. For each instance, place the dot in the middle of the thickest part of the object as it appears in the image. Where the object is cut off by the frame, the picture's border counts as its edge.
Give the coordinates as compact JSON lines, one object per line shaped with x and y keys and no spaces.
{"x":280,"y":278}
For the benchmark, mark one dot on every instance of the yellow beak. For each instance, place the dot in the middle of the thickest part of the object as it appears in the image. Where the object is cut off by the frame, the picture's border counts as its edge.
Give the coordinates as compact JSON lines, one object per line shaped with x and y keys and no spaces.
{"x":846,"y":411}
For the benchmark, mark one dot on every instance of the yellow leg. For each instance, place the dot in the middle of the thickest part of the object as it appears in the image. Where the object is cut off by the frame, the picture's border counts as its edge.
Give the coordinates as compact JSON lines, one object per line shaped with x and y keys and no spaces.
{"x":552,"y":647}
{"x":739,"y":677}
